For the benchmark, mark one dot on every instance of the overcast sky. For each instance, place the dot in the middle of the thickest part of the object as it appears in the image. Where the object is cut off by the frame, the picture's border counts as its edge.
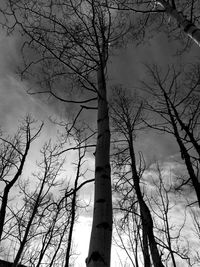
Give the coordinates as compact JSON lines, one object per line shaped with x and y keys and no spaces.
{"x":125,"y":68}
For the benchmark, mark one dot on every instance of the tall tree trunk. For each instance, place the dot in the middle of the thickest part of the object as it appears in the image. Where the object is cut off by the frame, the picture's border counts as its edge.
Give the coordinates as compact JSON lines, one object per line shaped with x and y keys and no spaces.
{"x":147,"y":261}
{"x":188,"y":26}
{"x":101,"y":235}
{"x":147,"y":222}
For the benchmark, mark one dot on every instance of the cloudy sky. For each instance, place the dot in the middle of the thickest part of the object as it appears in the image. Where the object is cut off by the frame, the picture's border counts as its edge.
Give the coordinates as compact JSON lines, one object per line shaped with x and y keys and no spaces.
{"x":125,"y":68}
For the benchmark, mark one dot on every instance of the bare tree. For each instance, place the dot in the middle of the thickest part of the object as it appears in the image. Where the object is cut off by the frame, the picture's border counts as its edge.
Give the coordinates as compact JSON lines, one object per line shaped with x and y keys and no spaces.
{"x":70,"y":43}
{"x":27,"y":218}
{"x":170,"y":233}
{"x":13,"y":154}
{"x":128,"y":231}
{"x":177,"y":110}
{"x":40,"y":226}
{"x":194,"y":212}
{"x":127,"y":118}
{"x":81,"y":151}
{"x":179,"y":18}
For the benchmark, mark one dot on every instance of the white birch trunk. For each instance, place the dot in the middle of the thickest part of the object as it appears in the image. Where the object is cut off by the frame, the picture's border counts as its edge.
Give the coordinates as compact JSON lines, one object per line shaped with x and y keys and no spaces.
{"x":189,"y":28}
{"x":101,"y":235}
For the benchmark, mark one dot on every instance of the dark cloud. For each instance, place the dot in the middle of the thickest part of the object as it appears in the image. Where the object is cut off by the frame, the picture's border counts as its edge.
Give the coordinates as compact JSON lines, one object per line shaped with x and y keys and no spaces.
{"x":155,"y":146}
{"x":126,"y":68}
{"x":9,"y":56}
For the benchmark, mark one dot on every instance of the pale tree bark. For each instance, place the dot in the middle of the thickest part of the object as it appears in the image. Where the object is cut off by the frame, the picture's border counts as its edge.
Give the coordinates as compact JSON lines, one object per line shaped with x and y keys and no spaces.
{"x":183,"y":14}
{"x":188,"y":26}
{"x":100,"y":242}
{"x":71,"y":42}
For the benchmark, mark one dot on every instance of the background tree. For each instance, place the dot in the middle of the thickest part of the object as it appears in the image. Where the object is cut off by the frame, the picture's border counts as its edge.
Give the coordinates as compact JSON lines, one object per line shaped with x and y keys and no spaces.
{"x":126,"y":119}
{"x":81,"y":151}
{"x":178,"y":18}
{"x":42,"y":222}
{"x":13,"y":154}
{"x":172,"y":221}
{"x":170,"y":233}
{"x":177,"y":108}
{"x":160,"y":194}
{"x":27,"y":218}
{"x":128,"y":234}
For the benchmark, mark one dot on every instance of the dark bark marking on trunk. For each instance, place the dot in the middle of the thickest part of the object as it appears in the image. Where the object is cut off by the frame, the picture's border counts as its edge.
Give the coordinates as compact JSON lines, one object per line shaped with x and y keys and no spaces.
{"x":99,"y":136}
{"x":107,"y":167}
{"x":102,"y":119}
{"x":102,"y":169}
{"x":95,"y":256}
{"x":101,"y":200}
{"x":99,"y":169}
{"x":105,"y":176}
{"x":104,"y":225}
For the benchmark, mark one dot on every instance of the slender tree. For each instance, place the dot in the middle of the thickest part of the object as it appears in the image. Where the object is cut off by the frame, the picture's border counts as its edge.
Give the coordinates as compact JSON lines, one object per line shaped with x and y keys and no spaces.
{"x":162,"y":202}
{"x":50,"y":168}
{"x":128,"y":231}
{"x":177,"y":105}
{"x":14,"y":151}
{"x":81,"y":151}
{"x":127,"y":118}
